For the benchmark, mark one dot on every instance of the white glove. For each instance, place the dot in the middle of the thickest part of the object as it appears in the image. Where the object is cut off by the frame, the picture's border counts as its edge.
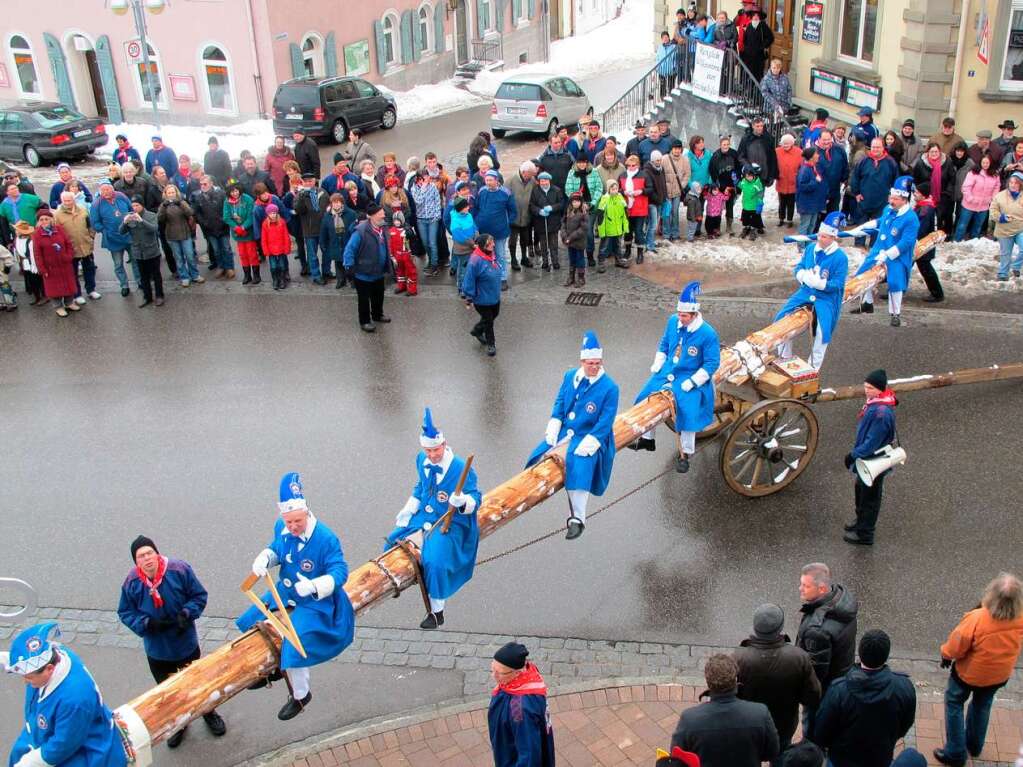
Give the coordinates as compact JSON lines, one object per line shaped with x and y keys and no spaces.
{"x":33,"y":758}
{"x":659,"y":359}
{"x":5,"y":660}
{"x":816,"y":281}
{"x":587,"y":446}
{"x":458,"y":500}
{"x":263,"y":562}
{"x":801,"y":276}
{"x":688,"y":385}
{"x":304,"y":587}
{"x":892,"y":253}
{"x":553,"y":429}
{"x":405,"y":515}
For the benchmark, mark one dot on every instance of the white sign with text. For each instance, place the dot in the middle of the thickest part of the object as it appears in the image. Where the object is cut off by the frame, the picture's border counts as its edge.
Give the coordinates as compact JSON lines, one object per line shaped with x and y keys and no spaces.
{"x":707,"y":72}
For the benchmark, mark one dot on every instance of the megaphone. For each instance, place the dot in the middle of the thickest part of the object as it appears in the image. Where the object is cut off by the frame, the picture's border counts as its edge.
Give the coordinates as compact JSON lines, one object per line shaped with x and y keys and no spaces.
{"x":871,"y":468}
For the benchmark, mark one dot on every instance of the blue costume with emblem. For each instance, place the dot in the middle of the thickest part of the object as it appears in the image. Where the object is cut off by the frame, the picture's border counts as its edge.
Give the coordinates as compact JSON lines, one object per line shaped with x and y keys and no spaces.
{"x":691,"y":353}
{"x":66,"y":722}
{"x":323,"y":619}
{"x":895,"y":243}
{"x":448,"y":560}
{"x":585,"y":411}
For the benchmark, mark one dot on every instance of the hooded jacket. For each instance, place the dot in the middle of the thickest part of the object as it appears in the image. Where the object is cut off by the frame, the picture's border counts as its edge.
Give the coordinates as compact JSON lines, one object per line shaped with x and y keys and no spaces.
{"x":779,"y":675}
{"x":827,"y":631}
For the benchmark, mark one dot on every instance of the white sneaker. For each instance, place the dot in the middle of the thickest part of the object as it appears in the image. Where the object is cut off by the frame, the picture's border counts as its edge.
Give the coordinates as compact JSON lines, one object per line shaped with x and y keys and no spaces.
{"x":200,"y":280}
{"x":80,"y":300}
{"x":185,"y":283}
{"x":95,"y":296}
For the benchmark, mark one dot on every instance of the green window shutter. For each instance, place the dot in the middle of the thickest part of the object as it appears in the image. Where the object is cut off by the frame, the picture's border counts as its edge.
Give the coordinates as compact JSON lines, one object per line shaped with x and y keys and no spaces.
{"x":500,"y":8}
{"x":297,"y":63}
{"x":418,"y":43}
{"x":406,"y":37}
{"x":58,"y":62}
{"x":330,"y":54}
{"x":381,"y":43}
{"x":438,"y":28}
{"x":108,"y":79}
{"x":516,"y":10}
{"x":481,"y":28}
{"x":531,"y":8}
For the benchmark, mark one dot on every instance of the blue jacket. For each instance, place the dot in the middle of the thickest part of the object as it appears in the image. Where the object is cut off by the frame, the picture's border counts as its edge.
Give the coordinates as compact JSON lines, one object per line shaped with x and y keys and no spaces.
{"x":875,"y":430}
{"x":646,"y":147}
{"x":865,"y":132}
{"x":58,"y":188}
{"x":332,"y":242}
{"x":666,"y":59}
{"x":834,"y":169}
{"x":827,"y":303}
{"x":181,"y":182}
{"x":896,"y":236}
{"x":370,"y":263}
{"x":460,"y":225}
{"x":106,"y":218}
{"x":520,"y":729}
{"x":482,"y":281}
{"x":862,"y":716}
{"x":182,"y":593}
{"x":873,"y":180}
{"x":331,"y":183}
{"x":163,"y":157}
{"x":700,"y":168}
{"x":495,"y":210}
{"x":811,"y":194}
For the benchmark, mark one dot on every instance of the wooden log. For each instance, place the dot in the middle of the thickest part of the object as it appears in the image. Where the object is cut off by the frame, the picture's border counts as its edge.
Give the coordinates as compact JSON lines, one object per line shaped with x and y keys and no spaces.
{"x":929,"y":381}
{"x":210,"y":681}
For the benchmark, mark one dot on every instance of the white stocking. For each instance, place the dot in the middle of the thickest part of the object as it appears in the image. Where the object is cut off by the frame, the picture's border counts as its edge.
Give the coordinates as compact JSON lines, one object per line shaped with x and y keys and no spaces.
{"x":437,"y":605}
{"x":649,"y":434}
{"x":819,"y":348}
{"x":688,"y":441}
{"x":895,"y":302}
{"x":299,"y":682}
{"x":784,"y":349}
{"x":577,"y":499}
{"x":868,"y":296}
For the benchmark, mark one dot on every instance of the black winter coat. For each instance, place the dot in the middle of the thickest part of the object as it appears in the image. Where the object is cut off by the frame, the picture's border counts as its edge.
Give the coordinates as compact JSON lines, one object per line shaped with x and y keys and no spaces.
{"x":760,"y":149}
{"x":727,"y":165}
{"x":209,"y":211}
{"x":309,"y":208}
{"x":217,"y":163}
{"x":827,"y":631}
{"x":657,"y":189}
{"x":863,"y":715}
{"x":307,"y":155}
{"x":247,"y":181}
{"x":574,"y":229}
{"x":727,"y":732}
{"x":779,"y":675}
{"x":558,"y":165}
{"x":922,"y":172}
{"x":554,"y":197}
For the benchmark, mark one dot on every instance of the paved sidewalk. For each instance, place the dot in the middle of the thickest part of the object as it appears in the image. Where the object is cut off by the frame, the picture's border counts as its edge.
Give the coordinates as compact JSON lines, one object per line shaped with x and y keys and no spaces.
{"x":600,"y":727}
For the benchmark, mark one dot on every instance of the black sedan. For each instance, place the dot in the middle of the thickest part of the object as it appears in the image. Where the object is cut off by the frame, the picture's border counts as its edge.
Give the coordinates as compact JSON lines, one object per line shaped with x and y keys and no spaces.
{"x":38,"y":133}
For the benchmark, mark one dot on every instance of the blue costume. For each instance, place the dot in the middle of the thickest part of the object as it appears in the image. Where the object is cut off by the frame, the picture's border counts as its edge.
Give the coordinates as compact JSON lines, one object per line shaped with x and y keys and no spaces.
{"x":66,"y":722}
{"x":519,"y":723}
{"x":692,"y":354}
{"x":449,"y":559}
{"x":895,"y":245}
{"x":181,"y":592}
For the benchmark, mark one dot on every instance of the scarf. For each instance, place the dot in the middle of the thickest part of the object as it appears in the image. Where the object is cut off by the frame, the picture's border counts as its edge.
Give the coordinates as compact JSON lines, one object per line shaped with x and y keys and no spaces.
{"x":488,"y":257}
{"x":935,"y":175}
{"x":529,"y":682}
{"x":154,"y":584}
{"x":887,"y":397}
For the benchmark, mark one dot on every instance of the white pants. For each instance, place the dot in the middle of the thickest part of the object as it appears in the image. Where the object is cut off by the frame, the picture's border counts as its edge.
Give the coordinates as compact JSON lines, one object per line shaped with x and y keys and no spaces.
{"x":817,"y":351}
{"x":299,"y":682}
{"x":687,"y":439}
{"x":895,"y":302}
{"x":437,"y":605}
{"x":577,"y":501}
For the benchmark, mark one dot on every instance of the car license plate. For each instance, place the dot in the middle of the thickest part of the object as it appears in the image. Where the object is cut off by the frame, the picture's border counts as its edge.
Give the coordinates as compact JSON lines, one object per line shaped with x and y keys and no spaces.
{"x":516,"y":110}
{"x":292,"y":117}
{"x":83,"y":132}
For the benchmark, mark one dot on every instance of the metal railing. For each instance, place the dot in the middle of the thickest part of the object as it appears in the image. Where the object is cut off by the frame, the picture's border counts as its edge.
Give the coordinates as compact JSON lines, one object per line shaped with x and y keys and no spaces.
{"x":485,"y":52}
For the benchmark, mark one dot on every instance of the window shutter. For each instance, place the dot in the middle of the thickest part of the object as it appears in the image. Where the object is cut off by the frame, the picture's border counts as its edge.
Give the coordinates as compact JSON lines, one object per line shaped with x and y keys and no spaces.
{"x":418,"y":43}
{"x":500,"y":9}
{"x":297,"y":63}
{"x":480,"y":28}
{"x":330,"y":54}
{"x":438,"y":27}
{"x":516,"y":10}
{"x":58,"y":62}
{"x":108,"y":79}
{"x":531,"y":8}
{"x":406,"y":37}
{"x":381,"y":43}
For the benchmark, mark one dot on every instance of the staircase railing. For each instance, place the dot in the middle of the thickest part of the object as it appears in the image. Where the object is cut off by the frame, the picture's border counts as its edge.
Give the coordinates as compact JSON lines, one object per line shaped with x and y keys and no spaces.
{"x":486,"y":52}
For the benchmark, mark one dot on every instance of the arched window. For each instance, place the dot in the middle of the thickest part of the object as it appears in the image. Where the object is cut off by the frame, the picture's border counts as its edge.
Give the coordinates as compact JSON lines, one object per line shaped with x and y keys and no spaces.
{"x":217,"y":72}
{"x":143,"y":82}
{"x":312,"y":55}
{"x":24,"y":66}
{"x":390,"y":27}
{"x":424,"y":18}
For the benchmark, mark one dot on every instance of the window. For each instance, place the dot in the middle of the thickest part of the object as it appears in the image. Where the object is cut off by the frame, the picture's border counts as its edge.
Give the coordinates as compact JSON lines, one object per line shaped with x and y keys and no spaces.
{"x":312,"y":56}
{"x":24,"y":66}
{"x":216,"y":71}
{"x":1012,"y":69}
{"x":345,"y":90}
{"x":56,"y":117}
{"x":143,"y":82}
{"x":424,"y":18}
{"x":365,"y":89}
{"x":488,"y":21}
{"x":390,"y":26}
{"x":856,"y":30}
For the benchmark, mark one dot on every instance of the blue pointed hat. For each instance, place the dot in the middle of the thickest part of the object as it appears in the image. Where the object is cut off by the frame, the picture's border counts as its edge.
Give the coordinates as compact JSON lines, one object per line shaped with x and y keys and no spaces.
{"x":291,"y":497}
{"x":688,"y":301}
{"x":902,"y":186}
{"x":591,"y":347}
{"x":32,"y":648}
{"x":833,"y":223}
{"x":431,"y":436}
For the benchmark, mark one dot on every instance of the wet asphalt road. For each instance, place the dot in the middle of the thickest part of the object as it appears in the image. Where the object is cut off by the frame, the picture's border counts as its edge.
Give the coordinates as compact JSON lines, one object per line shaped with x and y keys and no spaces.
{"x":178,"y":422}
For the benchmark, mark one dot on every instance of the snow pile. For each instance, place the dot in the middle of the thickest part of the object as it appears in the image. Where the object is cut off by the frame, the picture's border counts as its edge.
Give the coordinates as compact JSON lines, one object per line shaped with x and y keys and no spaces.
{"x":426,"y":101}
{"x":971,"y":268}
{"x":254,"y":135}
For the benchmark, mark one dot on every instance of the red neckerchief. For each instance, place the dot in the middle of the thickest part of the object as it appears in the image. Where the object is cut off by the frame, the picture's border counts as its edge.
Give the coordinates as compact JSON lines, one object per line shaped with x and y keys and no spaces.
{"x":529,"y":682}
{"x":887,"y":397}
{"x":877,"y":161}
{"x":154,"y":584}
{"x":489,"y":257}
{"x":927,"y":201}
{"x":827,"y":152}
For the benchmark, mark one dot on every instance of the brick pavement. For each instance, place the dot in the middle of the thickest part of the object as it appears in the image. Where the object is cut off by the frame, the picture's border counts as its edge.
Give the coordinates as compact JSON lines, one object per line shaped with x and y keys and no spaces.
{"x":604,"y":726}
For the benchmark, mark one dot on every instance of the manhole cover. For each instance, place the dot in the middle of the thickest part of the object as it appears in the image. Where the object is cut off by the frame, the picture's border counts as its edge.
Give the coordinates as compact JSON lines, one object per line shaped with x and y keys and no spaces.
{"x":583,"y":299}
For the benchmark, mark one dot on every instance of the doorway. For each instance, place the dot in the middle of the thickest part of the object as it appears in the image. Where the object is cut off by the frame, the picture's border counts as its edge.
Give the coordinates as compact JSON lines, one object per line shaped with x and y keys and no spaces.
{"x":461,"y":33}
{"x":84,"y":73}
{"x":781,"y":15}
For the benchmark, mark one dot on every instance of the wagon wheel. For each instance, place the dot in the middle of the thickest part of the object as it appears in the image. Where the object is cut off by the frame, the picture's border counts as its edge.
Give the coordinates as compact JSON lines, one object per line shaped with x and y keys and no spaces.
{"x":768,"y":447}
{"x":721,"y":421}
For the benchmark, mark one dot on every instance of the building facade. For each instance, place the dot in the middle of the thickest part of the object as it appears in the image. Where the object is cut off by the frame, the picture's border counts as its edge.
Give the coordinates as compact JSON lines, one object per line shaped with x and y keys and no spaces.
{"x":920,"y":59}
{"x":222,"y":60}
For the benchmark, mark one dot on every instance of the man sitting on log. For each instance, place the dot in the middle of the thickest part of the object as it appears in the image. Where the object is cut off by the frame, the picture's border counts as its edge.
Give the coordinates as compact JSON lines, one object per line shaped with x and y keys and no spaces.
{"x":449,"y":553}
{"x":312,"y":574}
{"x":821,"y":276}
{"x":895,"y":243}
{"x":584,"y":416}
{"x":66,"y":721}
{"x":692,"y":347}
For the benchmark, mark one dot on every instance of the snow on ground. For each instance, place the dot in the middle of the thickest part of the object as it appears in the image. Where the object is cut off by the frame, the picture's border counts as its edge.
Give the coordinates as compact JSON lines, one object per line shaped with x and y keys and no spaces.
{"x":254,"y":135}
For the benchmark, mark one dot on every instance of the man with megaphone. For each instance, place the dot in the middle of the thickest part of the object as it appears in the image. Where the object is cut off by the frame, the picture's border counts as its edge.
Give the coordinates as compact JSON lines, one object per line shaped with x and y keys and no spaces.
{"x":875,"y":435}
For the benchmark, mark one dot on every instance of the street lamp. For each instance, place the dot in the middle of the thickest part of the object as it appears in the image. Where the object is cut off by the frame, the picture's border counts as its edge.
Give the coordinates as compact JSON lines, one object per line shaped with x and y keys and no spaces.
{"x":137,"y":8}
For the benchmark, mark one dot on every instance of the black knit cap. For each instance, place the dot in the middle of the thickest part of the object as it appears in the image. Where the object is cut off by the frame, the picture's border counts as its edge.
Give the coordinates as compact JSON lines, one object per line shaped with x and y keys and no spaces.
{"x":512,"y":655}
{"x":877,"y":378}
{"x":461,"y":204}
{"x":141,"y":542}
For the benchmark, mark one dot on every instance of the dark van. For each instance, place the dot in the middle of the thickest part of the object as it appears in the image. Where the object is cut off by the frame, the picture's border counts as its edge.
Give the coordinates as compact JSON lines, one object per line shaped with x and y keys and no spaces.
{"x":330,"y":107}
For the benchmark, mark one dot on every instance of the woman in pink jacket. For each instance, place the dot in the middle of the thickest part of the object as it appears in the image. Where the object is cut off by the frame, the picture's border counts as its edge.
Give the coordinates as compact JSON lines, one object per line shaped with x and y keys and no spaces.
{"x":979,"y":188}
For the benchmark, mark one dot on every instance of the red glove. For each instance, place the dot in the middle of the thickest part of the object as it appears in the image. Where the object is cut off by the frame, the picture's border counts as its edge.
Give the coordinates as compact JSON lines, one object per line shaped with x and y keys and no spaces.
{"x":240,"y":231}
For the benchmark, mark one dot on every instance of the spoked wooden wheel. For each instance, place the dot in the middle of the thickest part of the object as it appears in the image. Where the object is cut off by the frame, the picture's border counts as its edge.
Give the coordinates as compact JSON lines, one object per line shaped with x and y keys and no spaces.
{"x":768,"y":447}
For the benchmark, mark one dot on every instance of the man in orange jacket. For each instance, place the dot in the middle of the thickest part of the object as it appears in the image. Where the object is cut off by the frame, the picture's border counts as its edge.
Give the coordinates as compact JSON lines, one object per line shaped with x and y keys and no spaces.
{"x":983,"y":648}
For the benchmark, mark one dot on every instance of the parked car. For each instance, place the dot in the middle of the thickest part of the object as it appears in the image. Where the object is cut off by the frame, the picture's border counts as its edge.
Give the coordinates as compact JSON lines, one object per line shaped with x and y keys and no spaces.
{"x":45,"y":131}
{"x":537,"y":103}
{"x":331,"y":106}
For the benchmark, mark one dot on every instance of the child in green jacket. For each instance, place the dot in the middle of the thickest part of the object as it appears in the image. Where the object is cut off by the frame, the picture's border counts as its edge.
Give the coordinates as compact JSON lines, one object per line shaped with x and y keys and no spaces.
{"x":752,"y":189}
{"x":612,"y":223}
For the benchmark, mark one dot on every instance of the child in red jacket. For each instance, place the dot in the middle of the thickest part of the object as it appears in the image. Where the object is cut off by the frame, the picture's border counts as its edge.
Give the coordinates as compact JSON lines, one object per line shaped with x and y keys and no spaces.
{"x":404,"y":266}
{"x":276,"y":242}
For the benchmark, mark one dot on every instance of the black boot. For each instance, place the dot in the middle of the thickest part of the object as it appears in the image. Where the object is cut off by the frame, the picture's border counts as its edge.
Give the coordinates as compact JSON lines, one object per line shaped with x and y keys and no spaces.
{"x":570,"y":282}
{"x":293,"y":707}
{"x":432,"y":620}
{"x":864,"y":308}
{"x":341,"y":281}
{"x":514,"y":265}
{"x":643,"y":444}
{"x":215,"y":724}
{"x":639,"y":255}
{"x":580,"y":278}
{"x":256,"y":276}
{"x":555,"y":261}
{"x":682,"y":463}
{"x":575,"y":529}
{"x":248,"y":275}
{"x":175,"y":740}
{"x":527,"y":262}
{"x":590,"y":260}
